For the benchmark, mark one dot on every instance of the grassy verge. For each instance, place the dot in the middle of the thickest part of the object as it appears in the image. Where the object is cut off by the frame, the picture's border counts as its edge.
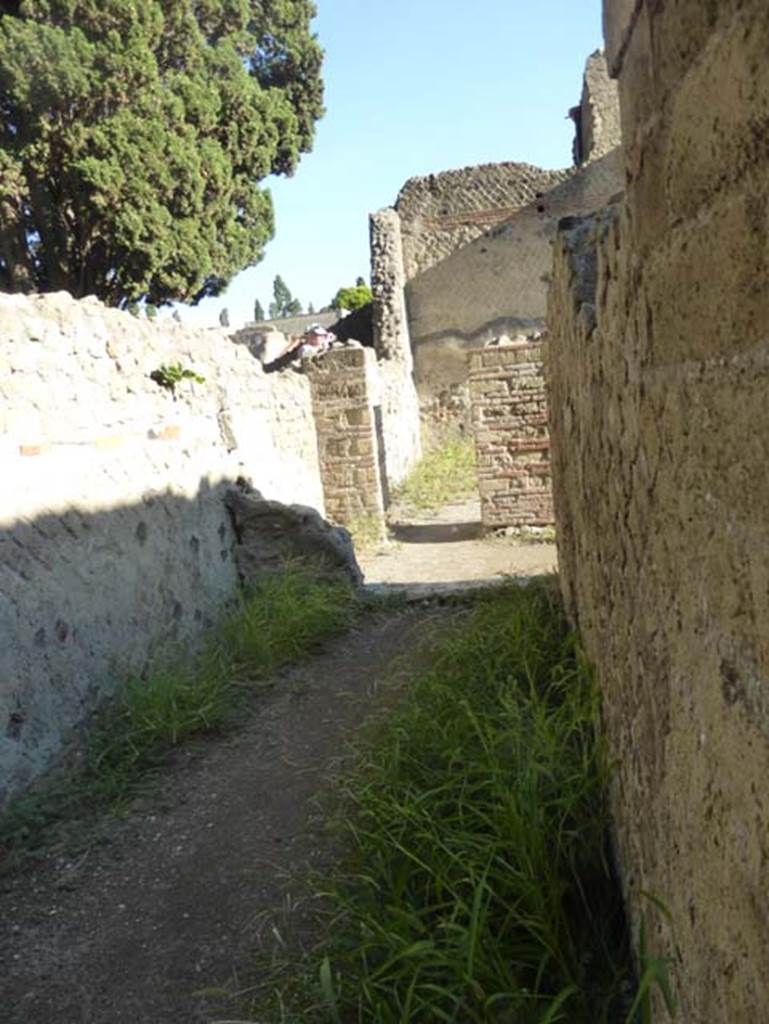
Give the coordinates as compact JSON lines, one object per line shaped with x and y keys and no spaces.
{"x":181,"y":696}
{"x":443,"y":475}
{"x":479,"y":886}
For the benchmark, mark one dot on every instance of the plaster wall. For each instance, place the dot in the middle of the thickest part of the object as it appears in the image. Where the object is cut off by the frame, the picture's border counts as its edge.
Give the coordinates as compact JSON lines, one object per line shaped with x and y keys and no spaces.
{"x":114,"y":539}
{"x":497,"y":284}
{"x":440,"y":213}
{"x":659,"y":426}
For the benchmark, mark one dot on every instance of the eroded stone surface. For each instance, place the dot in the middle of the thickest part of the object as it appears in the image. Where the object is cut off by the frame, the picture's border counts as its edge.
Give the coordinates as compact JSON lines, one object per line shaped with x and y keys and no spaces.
{"x":659,"y":375}
{"x":269,"y":533}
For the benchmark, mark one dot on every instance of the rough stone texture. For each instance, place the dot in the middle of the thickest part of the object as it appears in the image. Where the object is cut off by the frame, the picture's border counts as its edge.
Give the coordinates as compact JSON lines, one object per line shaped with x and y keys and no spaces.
{"x":440,"y":213}
{"x":659,"y":377}
{"x":390,"y":321}
{"x":113,"y":533}
{"x":512,"y":442}
{"x":597,"y":117}
{"x":399,"y":406}
{"x":496,"y":284}
{"x":268,"y":533}
{"x":344,"y":391}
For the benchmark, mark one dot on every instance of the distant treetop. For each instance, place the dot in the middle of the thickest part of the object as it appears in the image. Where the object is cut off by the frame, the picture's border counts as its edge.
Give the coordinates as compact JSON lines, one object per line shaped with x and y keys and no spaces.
{"x":353,"y":297}
{"x":134,"y":135}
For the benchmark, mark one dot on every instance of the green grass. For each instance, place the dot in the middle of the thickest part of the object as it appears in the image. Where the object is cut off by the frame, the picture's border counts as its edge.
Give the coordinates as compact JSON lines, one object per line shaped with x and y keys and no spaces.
{"x":366,"y":532}
{"x":180,"y":696}
{"x":479,"y":886}
{"x":443,"y":475}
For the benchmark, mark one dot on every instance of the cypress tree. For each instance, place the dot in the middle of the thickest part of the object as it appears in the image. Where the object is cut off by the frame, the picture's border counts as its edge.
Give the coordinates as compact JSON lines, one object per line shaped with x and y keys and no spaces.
{"x":134,"y":135}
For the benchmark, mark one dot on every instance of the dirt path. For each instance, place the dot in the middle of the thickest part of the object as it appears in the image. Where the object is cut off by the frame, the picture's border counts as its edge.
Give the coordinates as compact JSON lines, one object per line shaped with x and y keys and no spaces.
{"x":178,"y":899}
{"x":448,"y":547}
{"x":184,"y":894}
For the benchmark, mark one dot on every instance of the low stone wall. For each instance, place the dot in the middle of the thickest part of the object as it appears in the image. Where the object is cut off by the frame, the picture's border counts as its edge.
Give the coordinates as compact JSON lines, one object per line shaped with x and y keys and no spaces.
{"x":114,"y":538}
{"x":659,"y":371}
{"x":344,"y":388}
{"x":510,"y":425}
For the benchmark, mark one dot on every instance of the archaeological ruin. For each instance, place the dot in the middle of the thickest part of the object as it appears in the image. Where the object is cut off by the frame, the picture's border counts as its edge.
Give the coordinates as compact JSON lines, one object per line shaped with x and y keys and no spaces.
{"x":629,"y":303}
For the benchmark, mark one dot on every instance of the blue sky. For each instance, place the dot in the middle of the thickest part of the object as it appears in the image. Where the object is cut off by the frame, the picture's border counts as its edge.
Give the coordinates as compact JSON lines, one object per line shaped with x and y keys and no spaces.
{"x":413,"y":87}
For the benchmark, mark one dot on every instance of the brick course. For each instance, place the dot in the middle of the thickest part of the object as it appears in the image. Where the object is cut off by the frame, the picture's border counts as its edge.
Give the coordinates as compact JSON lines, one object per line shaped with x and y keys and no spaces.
{"x":510,"y":423}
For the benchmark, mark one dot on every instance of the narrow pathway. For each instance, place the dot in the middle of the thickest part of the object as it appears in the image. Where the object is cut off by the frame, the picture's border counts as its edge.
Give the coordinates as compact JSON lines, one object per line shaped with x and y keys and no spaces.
{"x":448,"y":547}
{"x":177,"y":899}
{"x":183,"y":895}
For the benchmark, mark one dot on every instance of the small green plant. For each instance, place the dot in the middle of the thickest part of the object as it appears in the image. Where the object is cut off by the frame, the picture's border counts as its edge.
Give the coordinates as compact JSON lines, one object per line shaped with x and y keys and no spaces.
{"x":443,"y":475}
{"x":655,"y":974}
{"x":168,"y":376}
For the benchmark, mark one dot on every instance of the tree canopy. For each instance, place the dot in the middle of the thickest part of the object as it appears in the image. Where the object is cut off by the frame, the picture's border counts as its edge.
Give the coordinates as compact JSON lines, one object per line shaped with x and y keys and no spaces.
{"x":134,"y":135}
{"x":352,"y":297}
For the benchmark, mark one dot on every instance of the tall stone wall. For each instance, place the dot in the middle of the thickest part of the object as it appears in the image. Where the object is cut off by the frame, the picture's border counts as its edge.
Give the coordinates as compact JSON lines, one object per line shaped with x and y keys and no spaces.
{"x":344,"y":389}
{"x":114,"y":538}
{"x":659,"y":377}
{"x":512,"y":441}
{"x":440,"y":213}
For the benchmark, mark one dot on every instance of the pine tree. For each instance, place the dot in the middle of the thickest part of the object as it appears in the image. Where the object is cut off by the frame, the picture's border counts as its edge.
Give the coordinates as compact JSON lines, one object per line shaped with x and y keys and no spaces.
{"x":224,"y":317}
{"x":134,"y":135}
{"x":258,"y":311}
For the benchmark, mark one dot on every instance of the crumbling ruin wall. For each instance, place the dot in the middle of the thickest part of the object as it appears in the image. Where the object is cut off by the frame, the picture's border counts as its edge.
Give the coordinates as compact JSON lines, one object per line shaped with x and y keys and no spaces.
{"x":659,"y":358}
{"x":472,"y":248}
{"x":440,"y":213}
{"x":399,"y":406}
{"x":114,"y":537}
{"x":596,"y":119}
{"x":495,"y":285}
{"x":510,"y":427}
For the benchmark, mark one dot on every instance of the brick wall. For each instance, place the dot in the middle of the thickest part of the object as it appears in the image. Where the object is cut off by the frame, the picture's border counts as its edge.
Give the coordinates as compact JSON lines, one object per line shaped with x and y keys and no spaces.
{"x":509,"y":410}
{"x":343,"y":391}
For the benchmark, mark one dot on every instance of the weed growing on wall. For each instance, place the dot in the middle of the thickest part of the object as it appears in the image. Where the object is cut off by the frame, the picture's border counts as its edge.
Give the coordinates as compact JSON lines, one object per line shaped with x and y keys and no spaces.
{"x":443,"y":475}
{"x":279,"y":620}
{"x":479,"y":885}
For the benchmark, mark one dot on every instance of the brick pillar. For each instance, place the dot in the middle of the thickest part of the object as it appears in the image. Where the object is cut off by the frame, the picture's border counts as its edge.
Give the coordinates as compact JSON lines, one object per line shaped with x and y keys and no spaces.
{"x":512,"y":442}
{"x":343,"y":407}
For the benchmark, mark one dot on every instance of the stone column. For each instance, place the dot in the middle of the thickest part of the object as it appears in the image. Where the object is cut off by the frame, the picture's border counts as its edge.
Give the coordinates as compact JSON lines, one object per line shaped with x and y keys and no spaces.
{"x":399,"y":402}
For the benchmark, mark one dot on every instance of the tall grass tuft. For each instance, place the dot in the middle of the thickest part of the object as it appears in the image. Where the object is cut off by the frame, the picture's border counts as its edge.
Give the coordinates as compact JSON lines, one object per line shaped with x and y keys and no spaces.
{"x":287,"y":615}
{"x":479,"y":887}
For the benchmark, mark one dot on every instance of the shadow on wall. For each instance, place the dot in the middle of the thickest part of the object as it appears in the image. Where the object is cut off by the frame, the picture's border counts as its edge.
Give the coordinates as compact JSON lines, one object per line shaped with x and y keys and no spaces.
{"x":87,"y":598}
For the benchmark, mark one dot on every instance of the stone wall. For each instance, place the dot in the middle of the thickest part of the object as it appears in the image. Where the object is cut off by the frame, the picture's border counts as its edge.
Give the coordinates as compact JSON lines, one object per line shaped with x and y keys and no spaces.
{"x":113,"y":534}
{"x":495,"y":285}
{"x":510,"y":426}
{"x":596,"y":119}
{"x":440,"y":213}
{"x":344,"y":388}
{"x":659,"y":377}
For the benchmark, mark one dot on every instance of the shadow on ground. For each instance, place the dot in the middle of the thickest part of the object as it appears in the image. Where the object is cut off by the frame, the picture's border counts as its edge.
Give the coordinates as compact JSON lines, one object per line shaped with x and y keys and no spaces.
{"x":435,"y":533}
